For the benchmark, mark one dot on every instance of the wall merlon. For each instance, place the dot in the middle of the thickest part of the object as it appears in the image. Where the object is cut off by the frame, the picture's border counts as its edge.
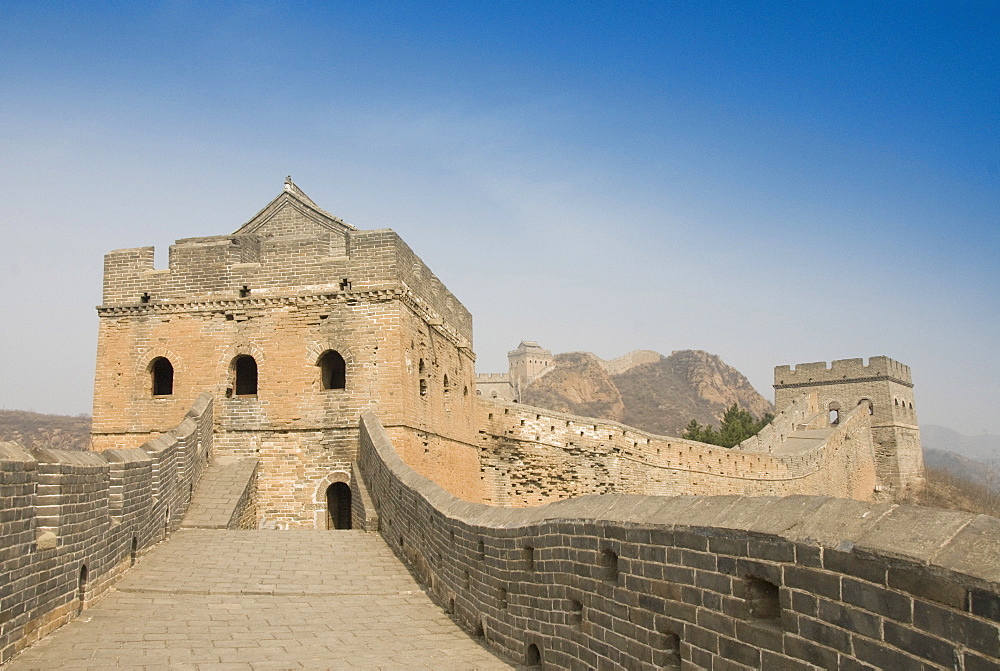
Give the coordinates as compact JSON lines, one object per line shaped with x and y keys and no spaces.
{"x":841,"y":370}
{"x":13,"y":455}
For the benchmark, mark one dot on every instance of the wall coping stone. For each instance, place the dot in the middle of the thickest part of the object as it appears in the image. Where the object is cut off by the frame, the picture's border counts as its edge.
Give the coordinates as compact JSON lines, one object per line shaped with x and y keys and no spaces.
{"x":914,"y":534}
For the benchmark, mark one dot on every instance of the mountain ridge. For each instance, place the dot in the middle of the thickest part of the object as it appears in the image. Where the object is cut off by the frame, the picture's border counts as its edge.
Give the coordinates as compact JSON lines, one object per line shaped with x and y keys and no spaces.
{"x":646,"y":390}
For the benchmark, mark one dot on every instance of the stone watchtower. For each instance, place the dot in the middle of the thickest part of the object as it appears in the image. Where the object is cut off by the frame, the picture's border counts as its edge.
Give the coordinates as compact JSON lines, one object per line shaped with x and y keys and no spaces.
{"x":295,"y":323}
{"x":884,"y":389}
{"x":526,"y":364}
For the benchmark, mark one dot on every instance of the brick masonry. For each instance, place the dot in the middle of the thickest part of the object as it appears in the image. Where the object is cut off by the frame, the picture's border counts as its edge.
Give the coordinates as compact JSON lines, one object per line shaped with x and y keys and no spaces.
{"x":288,"y":286}
{"x":728,"y":582}
{"x":71,"y":523}
{"x":531,"y":456}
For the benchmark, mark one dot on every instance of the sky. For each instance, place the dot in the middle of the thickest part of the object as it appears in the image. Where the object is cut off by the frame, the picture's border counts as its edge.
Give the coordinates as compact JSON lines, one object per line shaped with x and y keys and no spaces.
{"x":774,"y":183}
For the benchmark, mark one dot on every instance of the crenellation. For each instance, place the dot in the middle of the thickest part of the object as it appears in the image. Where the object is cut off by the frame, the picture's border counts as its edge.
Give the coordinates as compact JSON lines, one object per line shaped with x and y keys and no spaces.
{"x":884,"y":388}
{"x":842,"y":369}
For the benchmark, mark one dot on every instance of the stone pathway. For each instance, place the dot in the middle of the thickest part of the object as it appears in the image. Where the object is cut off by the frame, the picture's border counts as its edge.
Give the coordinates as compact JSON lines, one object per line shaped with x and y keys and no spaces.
{"x":215,"y":599}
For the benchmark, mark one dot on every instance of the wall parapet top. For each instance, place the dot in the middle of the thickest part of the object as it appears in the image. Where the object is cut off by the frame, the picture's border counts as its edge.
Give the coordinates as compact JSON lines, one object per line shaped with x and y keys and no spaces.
{"x":69,"y":510}
{"x":842,"y":370}
{"x":832,"y":522}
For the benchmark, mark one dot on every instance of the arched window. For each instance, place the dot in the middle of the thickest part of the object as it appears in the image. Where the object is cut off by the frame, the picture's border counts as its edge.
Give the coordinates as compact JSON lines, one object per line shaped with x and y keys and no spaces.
{"x":162,"y":373}
{"x":333,"y":370}
{"x":245,"y":370}
{"x":447,"y":384}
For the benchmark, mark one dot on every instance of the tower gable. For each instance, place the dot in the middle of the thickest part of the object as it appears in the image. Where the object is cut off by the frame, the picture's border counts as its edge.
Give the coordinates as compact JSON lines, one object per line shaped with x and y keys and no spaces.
{"x":293,"y":214}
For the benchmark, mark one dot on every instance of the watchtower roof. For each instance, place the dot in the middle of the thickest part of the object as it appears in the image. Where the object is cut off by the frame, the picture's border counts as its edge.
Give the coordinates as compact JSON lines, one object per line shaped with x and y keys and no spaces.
{"x":293,"y":197}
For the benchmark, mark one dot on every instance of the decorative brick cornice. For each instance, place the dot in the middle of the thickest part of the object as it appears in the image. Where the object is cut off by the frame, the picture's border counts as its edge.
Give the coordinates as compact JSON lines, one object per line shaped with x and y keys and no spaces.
{"x":818,"y":383}
{"x":262,"y":302}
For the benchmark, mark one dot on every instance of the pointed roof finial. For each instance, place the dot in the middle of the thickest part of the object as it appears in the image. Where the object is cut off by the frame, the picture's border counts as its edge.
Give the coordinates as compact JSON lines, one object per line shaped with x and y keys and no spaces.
{"x":288,"y":183}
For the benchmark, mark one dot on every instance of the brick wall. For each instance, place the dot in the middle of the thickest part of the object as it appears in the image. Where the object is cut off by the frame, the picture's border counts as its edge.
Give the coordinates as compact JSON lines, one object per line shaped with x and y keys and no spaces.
{"x":64,"y":514}
{"x":531,"y":456}
{"x":638,"y":582}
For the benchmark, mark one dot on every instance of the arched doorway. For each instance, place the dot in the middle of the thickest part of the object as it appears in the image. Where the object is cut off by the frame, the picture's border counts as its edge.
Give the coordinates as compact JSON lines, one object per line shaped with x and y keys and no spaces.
{"x":338,"y":506}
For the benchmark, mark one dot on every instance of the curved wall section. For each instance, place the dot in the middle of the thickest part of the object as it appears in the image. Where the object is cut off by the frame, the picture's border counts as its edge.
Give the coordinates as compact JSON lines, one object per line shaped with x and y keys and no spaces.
{"x":644,"y":582}
{"x":531,"y":456}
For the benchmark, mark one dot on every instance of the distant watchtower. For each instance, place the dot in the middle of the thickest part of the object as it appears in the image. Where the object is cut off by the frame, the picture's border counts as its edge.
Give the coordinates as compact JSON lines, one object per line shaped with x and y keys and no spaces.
{"x":884,"y":389}
{"x":526,"y":363}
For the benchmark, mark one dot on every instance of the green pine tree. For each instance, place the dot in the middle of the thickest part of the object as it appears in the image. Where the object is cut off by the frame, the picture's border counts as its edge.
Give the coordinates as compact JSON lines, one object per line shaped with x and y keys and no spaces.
{"x":737,"y":425}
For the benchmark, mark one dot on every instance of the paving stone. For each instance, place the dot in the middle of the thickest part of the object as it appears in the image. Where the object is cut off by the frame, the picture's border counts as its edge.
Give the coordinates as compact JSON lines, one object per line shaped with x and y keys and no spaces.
{"x":218,"y":599}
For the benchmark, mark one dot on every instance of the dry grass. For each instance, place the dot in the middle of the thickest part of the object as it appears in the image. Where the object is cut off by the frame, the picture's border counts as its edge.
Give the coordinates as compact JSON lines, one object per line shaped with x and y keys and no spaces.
{"x":36,"y":430}
{"x":945,"y":489}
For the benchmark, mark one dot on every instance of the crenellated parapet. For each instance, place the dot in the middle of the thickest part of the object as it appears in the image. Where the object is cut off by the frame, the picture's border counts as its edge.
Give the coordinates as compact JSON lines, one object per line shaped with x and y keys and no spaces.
{"x":531,"y":456}
{"x":73,"y":522}
{"x":878,"y":369}
{"x":238,"y":269}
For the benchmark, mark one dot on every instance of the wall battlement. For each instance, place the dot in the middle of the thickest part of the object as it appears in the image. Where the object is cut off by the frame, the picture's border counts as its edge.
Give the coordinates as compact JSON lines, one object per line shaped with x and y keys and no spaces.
{"x":630,"y":360}
{"x":884,"y":387}
{"x":242,"y":267}
{"x":842,"y":370}
{"x":74,"y":522}
{"x":492,"y":377}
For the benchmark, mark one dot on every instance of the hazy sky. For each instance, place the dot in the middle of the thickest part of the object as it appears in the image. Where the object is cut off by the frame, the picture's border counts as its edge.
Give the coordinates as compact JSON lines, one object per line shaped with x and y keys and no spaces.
{"x":772,"y":182}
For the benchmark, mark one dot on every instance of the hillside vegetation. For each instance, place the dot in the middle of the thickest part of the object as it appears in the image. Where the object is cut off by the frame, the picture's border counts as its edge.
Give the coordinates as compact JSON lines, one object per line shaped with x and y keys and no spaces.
{"x":35,"y":430}
{"x":946,"y":489}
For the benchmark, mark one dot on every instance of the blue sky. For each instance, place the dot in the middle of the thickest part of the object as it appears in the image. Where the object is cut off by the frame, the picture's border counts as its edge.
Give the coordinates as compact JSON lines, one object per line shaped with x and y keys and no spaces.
{"x":772,"y":182}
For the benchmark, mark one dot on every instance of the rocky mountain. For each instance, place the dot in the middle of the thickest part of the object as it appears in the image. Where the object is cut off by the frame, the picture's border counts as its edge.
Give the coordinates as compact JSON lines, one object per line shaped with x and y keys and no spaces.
{"x":646,"y":390}
{"x":578,"y":384}
{"x":33,"y":429}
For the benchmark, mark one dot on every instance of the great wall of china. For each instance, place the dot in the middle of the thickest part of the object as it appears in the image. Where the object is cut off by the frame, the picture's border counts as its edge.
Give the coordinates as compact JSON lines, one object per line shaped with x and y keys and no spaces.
{"x":334,"y":365}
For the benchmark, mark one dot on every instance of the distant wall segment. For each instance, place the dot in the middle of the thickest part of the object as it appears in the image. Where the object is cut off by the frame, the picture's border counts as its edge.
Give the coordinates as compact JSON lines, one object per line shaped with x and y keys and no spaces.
{"x":71,"y":523}
{"x":638,"y":582}
{"x":530,"y":456}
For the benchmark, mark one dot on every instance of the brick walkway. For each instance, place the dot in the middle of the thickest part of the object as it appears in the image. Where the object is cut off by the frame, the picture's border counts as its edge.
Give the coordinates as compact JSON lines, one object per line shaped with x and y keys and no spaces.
{"x":215,"y":599}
